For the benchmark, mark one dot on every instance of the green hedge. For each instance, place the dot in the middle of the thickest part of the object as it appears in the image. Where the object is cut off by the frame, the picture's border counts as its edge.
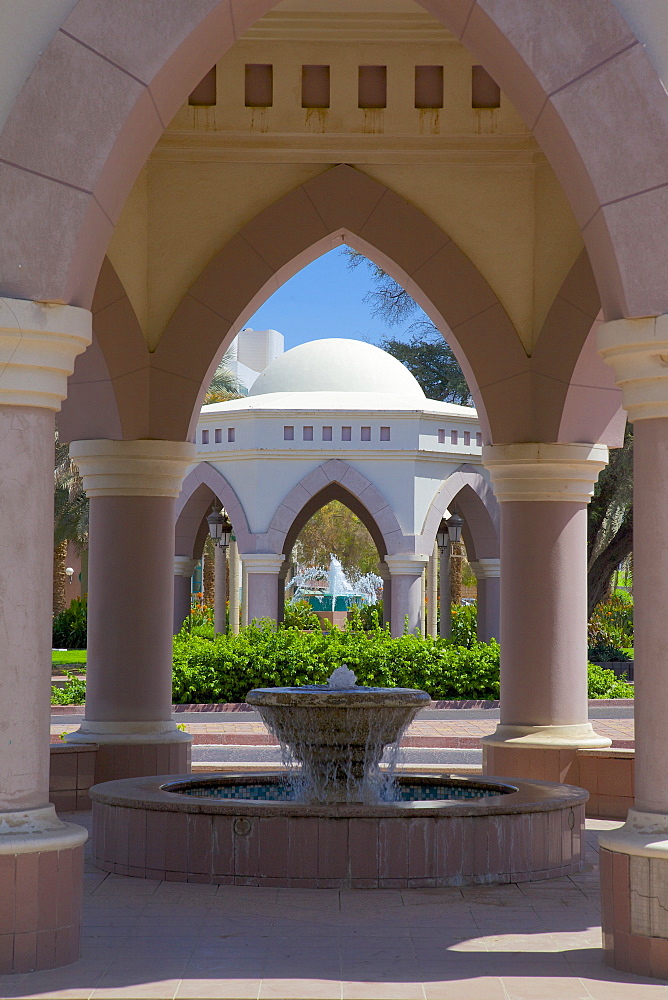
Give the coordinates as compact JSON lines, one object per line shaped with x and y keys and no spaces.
{"x":225,"y":668}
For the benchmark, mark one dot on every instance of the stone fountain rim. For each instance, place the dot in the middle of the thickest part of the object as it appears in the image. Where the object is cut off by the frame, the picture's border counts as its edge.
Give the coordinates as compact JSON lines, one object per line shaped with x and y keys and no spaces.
{"x":149,"y":793}
{"x":321,"y":696}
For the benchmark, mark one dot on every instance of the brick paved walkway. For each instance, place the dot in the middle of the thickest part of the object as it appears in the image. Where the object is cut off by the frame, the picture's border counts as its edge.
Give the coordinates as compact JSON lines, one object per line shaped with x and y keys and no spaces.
{"x":229,"y":729}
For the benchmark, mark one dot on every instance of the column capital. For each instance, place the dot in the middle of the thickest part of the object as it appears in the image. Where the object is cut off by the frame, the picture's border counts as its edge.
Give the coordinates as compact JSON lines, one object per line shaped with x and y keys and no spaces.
{"x":541,"y":471}
{"x":486,"y":569}
{"x":406,"y":564}
{"x":261,"y":562}
{"x":184,"y":566}
{"x":637,"y":350}
{"x":38,"y":344}
{"x":143,"y":468}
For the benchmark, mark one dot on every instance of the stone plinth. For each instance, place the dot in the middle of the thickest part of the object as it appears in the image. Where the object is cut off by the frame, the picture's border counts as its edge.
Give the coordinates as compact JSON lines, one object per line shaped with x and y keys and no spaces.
{"x":71,"y":774}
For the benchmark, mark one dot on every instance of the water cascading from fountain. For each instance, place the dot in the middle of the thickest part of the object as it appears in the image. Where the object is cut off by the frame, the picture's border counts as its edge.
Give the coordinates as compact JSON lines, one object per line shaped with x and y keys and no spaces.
{"x":360,"y":588}
{"x":333,"y":736}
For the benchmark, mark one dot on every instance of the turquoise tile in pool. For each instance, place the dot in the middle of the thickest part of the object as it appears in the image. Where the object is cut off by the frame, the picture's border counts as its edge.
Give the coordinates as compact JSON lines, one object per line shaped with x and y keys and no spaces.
{"x":276,"y":792}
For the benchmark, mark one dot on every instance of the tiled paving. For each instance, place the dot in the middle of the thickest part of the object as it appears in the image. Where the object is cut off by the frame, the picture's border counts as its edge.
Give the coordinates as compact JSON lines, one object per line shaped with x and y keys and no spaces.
{"x":426,"y":733}
{"x":538,"y":941}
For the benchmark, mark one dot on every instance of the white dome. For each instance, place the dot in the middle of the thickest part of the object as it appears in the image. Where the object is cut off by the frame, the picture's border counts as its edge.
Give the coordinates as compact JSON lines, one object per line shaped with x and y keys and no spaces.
{"x":337,"y":365}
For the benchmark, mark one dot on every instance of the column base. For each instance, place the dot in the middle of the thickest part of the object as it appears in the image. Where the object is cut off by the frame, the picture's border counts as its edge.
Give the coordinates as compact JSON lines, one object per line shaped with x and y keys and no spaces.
{"x":134,"y":749}
{"x":544,"y":753}
{"x":41,"y":888}
{"x":634,"y":894}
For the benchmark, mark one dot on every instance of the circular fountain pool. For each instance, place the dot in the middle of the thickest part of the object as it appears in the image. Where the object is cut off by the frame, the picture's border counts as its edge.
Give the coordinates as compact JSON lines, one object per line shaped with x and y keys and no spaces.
{"x":182,"y":829}
{"x":281,"y":789}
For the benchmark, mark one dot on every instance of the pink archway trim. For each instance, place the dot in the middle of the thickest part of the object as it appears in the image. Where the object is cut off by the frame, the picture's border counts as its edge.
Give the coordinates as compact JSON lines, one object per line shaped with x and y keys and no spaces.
{"x":585,"y":87}
{"x":563,"y":392}
{"x":108,"y":83}
{"x":159,"y":394}
{"x":354,"y":482}
{"x":199,"y":487}
{"x":481,"y":512}
{"x":592,"y":411}
{"x":107,"y":394}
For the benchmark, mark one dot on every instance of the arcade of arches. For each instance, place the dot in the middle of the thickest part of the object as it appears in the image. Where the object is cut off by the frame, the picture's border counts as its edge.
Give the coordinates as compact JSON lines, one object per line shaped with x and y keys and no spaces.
{"x":141,"y":227}
{"x":340,"y":419}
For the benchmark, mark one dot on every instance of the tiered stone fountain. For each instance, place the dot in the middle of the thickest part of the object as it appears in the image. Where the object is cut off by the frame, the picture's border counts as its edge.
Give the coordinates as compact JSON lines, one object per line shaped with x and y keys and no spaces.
{"x":334,"y":816}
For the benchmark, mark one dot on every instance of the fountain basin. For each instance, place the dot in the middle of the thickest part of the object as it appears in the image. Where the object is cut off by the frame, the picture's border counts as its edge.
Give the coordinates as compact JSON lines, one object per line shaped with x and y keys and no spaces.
{"x":324,"y":601}
{"x":154,"y":827}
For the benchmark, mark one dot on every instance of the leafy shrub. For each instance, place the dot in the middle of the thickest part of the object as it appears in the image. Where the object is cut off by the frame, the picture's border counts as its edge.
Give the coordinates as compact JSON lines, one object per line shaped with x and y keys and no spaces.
{"x":300,"y":614}
{"x":201,"y":615}
{"x":70,"y":626}
{"x":371,"y":615}
{"x":227,"y":667}
{"x":464,"y":624}
{"x":605,"y":652}
{"x":73,"y":692}
{"x":611,"y":624}
{"x":603,"y":683}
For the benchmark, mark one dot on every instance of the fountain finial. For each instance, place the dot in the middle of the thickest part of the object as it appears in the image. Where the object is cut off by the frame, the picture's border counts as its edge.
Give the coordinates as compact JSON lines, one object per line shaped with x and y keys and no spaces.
{"x":342,"y":679}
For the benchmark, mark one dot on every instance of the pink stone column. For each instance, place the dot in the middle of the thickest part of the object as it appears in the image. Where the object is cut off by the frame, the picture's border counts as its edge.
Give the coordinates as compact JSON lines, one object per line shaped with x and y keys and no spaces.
{"x":488,"y":573}
{"x":184,"y":567}
{"x":41,"y":863}
{"x":406,"y":572}
{"x":262,"y":572}
{"x":543,"y":490}
{"x":132,"y":486}
{"x":650,"y":597}
{"x":634,"y":859}
{"x":220,"y":591}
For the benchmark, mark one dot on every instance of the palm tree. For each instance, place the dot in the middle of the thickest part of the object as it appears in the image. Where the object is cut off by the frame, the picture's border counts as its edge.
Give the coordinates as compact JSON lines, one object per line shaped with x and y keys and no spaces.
{"x":224,"y":384}
{"x":70,"y":522}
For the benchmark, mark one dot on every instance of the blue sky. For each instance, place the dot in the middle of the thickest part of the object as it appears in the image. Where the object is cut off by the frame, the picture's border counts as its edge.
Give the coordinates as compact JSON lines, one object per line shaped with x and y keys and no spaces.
{"x":325,"y":299}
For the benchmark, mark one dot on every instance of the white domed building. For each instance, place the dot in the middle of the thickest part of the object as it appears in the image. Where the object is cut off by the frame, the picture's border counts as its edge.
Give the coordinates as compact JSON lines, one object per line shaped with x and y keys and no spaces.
{"x":340,"y":420}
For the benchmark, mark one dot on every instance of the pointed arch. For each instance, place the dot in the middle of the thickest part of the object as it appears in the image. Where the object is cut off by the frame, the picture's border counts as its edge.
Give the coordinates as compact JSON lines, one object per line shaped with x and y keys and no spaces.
{"x":576,"y":398}
{"x":107,"y":393}
{"x":576,"y":72}
{"x":200,"y":487}
{"x":480,"y":510}
{"x":340,"y":205}
{"x":335,"y":480}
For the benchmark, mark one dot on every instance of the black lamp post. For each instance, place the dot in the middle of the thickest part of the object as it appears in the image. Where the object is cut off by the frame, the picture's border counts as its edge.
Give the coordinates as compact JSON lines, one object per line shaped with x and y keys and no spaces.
{"x":455,"y":524}
{"x":442,"y":536}
{"x":448,"y":534}
{"x":220,"y":528}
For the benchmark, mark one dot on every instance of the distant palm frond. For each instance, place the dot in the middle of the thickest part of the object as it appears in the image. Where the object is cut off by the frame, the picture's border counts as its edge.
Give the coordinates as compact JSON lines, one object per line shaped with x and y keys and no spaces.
{"x":70,"y":522}
{"x":224,"y":384}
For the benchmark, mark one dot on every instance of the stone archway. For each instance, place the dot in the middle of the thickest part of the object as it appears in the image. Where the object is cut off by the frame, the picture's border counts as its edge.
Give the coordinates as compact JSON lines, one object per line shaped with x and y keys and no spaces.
{"x":474,"y":494}
{"x":475,"y":500}
{"x":335,"y":480}
{"x":576,"y":73}
{"x":121,"y":390}
{"x":200,"y":487}
{"x":83,"y":126}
